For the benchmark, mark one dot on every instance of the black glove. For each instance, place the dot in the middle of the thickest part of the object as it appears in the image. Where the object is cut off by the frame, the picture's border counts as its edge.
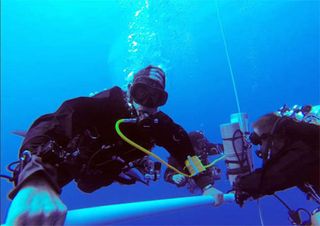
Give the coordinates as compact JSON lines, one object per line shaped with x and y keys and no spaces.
{"x":242,"y":187}
{"x":240,"y":197}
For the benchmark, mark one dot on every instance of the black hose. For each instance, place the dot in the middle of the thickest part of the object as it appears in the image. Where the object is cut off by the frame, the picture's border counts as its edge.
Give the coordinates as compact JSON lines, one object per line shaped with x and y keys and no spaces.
{"x":234,"y":146}
{"x":9,"y":167}
{"x":306,"y":211}
{"x":6,"y":177}
{"x":283,"y":202}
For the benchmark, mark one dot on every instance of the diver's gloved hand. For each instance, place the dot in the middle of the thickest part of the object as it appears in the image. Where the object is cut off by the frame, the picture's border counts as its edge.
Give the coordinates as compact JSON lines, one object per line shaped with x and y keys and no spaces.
{"x":215,"y":193}
{"x":239,"y":188}
{"x":179,"y":180}
{"x":36,"y":203}
{"x":240,"y":197}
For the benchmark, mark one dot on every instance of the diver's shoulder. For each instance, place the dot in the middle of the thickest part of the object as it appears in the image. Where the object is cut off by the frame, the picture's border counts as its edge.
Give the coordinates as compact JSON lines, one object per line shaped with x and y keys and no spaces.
{"x":112,"y":92}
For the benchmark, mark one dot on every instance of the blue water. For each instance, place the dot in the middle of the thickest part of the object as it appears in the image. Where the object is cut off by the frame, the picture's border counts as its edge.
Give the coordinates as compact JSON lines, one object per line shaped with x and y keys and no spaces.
{"x":53,"y":50}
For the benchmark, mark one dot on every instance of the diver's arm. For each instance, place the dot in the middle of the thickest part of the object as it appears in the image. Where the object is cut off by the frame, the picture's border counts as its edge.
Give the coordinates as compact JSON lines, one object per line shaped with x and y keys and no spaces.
{"x":173,"y":138}
{"x":176,"y":141}
{"x":173,"y":177}
{"x":215,"y":193}
{"x":62,"y":128}
{"x":169,"y":172}
{"x":36,"y":203}
{"x":39,"y":178}
{"x":56,"y":127}
{"x":36,"y":166}
{"x":296,"y":167}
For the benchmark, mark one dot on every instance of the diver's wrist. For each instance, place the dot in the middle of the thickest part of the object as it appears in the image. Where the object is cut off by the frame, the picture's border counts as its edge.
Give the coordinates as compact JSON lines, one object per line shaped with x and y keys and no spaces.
{"x":207,"y":187}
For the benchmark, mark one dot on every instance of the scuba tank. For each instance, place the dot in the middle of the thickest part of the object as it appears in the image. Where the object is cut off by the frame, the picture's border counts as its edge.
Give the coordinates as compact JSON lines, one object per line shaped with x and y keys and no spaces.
{"x":238,"y":155}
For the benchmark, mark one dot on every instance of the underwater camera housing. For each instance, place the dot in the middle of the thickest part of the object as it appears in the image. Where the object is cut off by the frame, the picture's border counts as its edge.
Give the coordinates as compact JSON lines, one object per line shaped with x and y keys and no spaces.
{"x":237,"y":150}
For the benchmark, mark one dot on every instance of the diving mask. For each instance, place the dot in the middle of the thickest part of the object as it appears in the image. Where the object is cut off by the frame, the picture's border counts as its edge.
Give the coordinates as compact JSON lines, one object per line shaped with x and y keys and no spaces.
{"x":146,"y":93}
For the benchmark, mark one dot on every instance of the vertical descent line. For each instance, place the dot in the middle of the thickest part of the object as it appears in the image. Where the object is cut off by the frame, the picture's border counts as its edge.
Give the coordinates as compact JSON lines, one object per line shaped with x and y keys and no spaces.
{"x":228,"y":57}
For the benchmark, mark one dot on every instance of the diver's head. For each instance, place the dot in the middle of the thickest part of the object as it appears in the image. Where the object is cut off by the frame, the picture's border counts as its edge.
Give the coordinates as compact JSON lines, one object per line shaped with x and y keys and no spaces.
{"x":147,"y":90}
{"x":263,"y":128}
{"x":269,"y":134}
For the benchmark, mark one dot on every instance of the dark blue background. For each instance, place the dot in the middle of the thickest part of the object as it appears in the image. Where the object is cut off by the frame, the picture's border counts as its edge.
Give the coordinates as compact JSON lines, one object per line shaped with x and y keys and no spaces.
{"x":53,"y":50}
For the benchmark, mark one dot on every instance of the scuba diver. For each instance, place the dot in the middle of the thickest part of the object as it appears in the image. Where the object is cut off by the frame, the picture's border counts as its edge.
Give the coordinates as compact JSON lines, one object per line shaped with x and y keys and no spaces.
{"x":82,"y":141}
{"x":203,"y":149}
{"x":289,"y":141}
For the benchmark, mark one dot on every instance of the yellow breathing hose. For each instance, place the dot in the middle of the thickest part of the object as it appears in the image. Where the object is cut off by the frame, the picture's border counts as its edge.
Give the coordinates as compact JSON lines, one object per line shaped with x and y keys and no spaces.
{"x":215,"y":161}
{"x":137,"y":146}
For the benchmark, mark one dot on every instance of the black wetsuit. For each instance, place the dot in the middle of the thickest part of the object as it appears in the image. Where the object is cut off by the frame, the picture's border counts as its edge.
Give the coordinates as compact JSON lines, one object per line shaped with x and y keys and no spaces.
{"x":79,"y":142}
{"x":295,"y":164}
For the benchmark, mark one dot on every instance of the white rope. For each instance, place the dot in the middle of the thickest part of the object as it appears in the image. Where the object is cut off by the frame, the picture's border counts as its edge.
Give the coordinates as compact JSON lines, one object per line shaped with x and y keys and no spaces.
{"x":228,"y":57}
{"x":260,"y":213}
{"x":233,"y":84}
